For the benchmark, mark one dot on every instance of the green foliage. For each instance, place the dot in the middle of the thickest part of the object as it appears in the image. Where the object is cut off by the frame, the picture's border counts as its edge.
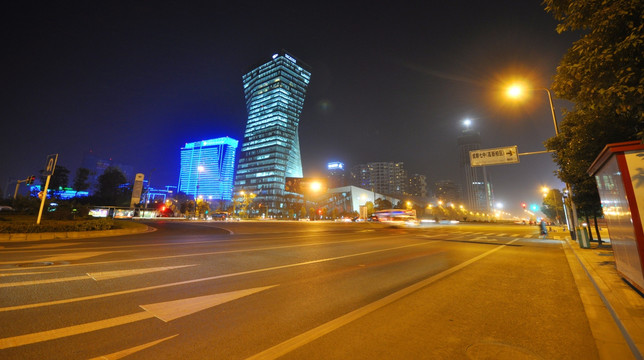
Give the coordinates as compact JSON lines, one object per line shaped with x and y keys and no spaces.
{"x":552,"y":205}
{"x":383,"y":204}
{"x":602,"y":75}
{"x":60,"y":178}
{"x":110,"y":188}
{"x":81,"y":179}
{"x":29,"y":226}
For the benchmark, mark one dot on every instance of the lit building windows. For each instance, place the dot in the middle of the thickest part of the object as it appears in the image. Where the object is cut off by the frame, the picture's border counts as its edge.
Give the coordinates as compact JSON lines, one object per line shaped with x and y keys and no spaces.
{"x":208,"y":167}
{"x":274,"y":94}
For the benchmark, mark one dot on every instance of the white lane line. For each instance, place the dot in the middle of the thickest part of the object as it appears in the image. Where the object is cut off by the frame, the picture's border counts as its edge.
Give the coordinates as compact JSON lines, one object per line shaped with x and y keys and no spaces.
{"x":61,"y":257}
{"x":123,"y":353}
{"x":236,"y":239}
{"x":315,"y":333}
{"x":96,"y":276}
{"x":123,"y":292}
{"x":201,"y":254}
{"x":106,"y":275}
{"x":28,"y":273}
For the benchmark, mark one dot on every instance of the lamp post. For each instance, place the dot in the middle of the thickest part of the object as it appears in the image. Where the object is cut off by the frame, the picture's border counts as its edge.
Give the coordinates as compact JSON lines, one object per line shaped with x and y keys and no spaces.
{"x":545,"y":191}
{"x":515,"y":91}
{"x":200,"y":169}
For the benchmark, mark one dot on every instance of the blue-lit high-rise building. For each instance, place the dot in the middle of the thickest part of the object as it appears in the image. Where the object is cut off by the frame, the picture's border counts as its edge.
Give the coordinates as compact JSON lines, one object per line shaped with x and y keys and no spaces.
{"x":274,"y":93}
{"x":208,"y":168}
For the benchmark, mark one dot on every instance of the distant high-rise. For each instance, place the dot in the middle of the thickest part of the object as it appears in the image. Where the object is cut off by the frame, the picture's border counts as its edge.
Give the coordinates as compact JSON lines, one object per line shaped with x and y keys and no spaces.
{"x":274,"y":93}
{"x":387,"y":178}
{"x":477,"y":189}
{"x":208,"y":168}
{"x":335,"y":174}
{"x":417,"y":186}
{"x":447,"y":191}
{"x":97,"y":166}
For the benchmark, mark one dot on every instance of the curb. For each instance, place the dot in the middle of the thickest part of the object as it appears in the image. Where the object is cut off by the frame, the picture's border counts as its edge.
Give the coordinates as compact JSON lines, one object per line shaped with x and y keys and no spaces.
{"x":73,"y":234}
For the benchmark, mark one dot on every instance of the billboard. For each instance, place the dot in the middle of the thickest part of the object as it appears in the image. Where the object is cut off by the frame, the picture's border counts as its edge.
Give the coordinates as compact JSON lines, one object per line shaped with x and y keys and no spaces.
{"x":305,"y":185}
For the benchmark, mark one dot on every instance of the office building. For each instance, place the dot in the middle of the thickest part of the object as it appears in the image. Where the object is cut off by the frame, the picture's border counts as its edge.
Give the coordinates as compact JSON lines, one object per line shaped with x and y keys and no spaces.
{"x":417,"y":186}
{"x":383,"y":177}
{"x":335,"y":174}
{"x":97,"y":165}
{"x":477,"y":190}
{"x":207,"y":168}
{"x":447,"y":191}
{"x":274,"y":93}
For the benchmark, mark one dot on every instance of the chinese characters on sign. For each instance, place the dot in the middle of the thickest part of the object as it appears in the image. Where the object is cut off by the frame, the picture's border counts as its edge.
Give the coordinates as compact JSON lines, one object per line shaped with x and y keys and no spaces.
{"x":496,"y":156}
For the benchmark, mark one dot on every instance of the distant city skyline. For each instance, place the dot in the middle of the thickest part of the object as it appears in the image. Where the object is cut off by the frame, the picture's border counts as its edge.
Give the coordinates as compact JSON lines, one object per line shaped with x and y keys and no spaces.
{"x":391,"y":83}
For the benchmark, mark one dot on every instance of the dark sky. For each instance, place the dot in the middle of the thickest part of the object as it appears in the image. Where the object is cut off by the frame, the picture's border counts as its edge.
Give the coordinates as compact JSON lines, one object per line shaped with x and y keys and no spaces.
{"x":135,"y":80}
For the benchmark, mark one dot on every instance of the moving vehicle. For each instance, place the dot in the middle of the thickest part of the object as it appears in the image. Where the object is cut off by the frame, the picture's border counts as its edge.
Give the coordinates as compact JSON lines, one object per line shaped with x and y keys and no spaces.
{"x":397,"y":216}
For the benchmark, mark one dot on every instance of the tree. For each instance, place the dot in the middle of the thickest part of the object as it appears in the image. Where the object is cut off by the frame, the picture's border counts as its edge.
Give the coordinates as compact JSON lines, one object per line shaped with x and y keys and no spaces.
{"x":383,"y":204}
{"x":59,"y":179}
{"x":552,"y":205}
{"x":111,"y":190}
{"x":602,"y":75}
{"x":81,"y":179}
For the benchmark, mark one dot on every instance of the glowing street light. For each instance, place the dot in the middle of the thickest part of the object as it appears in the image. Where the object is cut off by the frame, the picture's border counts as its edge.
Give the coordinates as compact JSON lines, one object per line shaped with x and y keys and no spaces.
{"x":316,"y":186}
{"x":515,"y":91}
{"x":200,"y":169}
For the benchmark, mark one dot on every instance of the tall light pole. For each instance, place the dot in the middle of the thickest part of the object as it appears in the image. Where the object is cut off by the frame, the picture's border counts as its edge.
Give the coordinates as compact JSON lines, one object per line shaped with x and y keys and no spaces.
{"x":516,"y":91}
{"x":200,"y":169}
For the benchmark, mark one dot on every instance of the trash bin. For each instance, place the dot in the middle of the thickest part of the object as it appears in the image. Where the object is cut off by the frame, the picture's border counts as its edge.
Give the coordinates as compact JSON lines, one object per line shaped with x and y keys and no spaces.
{"x":582,"y":237}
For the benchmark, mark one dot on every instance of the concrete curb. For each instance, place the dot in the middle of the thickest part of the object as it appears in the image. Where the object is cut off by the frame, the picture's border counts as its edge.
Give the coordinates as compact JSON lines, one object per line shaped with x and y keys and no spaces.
{"x":72,"y":234}
{"x":624,"y":304}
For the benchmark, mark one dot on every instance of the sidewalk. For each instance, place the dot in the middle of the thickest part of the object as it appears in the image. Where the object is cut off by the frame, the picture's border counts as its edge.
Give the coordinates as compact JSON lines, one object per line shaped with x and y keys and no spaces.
{"x":615,"y":310}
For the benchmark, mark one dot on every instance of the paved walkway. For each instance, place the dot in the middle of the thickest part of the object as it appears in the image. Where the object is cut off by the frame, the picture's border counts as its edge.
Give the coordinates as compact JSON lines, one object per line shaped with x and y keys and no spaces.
{"x":614,"y":309}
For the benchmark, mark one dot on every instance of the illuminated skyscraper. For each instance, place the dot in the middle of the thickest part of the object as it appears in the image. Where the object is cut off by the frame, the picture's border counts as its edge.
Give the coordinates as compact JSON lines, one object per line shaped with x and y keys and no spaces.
{"x":274,"y":93}
{"x":207,"y":168}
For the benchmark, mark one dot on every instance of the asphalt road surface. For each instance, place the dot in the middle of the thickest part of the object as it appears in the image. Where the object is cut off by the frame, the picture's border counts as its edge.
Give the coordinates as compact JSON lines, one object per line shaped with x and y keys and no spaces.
{"x":293,"y":290}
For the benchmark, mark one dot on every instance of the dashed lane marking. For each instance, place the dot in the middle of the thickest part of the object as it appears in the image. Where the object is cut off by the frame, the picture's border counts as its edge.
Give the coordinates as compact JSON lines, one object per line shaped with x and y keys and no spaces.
{"x":315,"y":333}
{"x":96,"y":276}
{"x":123,"y":292}
{"x":123,"y":353}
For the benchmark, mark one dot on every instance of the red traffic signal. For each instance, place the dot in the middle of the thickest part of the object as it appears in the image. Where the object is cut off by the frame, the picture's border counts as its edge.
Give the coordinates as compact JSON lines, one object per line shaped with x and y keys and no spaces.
{"x":30,"y":180}
{"x":523,"y":205}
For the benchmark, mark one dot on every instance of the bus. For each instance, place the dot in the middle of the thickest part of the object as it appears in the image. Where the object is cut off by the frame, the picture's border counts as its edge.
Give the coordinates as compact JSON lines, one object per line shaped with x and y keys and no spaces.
{"x":396,"y":216}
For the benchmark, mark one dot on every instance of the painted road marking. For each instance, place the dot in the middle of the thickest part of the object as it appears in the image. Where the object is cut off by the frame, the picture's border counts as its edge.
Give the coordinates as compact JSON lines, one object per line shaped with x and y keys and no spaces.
{"x":170,"y":310}
{"x":315,"y":333}
{"x":43,"y":246}
{"x":123,"y":353}
{"x":96,"y":276}
{"x":123,"y":292}
{"x":105,"y":275}
{"x":63,"y":257}
{"x":27,"y":273}
{"x":201,"y":254}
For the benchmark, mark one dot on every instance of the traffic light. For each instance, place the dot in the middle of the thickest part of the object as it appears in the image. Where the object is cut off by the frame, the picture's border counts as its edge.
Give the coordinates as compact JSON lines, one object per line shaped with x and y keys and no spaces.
{"x":30,"y":180}
{"x":523,"y":205}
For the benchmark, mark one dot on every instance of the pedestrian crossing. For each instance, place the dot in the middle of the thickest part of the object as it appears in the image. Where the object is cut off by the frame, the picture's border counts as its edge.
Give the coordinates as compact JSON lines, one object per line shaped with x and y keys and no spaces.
{"x":492,"y":236}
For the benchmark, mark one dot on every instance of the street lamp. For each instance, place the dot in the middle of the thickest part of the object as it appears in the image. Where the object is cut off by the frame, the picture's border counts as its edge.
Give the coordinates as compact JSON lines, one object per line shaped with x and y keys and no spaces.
{"x":200,"y":169}
{"x":545,"y":191}
{"x":516,"y":91}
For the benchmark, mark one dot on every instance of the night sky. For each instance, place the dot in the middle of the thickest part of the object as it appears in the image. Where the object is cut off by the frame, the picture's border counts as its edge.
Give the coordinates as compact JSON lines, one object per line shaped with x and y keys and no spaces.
{"x":135,"y":80}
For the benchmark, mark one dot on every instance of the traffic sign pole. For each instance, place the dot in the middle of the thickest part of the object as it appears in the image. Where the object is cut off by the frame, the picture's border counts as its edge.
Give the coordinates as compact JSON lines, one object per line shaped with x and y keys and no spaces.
{"x":50,"y":166}
{"x":44,"y":198}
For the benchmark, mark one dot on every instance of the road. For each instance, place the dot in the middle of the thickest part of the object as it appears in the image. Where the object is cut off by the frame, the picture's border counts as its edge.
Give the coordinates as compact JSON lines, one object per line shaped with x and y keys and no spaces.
{"x":293,"y":290}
